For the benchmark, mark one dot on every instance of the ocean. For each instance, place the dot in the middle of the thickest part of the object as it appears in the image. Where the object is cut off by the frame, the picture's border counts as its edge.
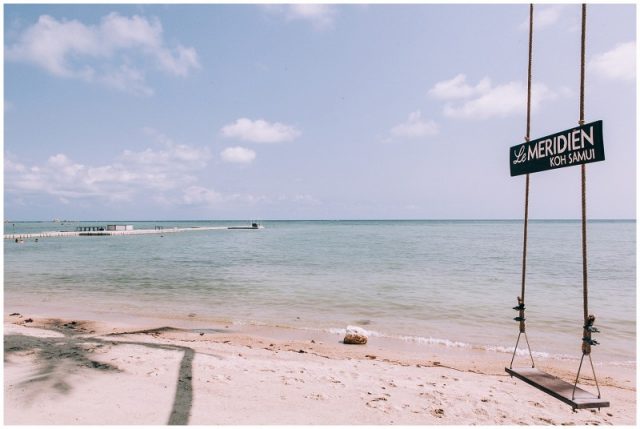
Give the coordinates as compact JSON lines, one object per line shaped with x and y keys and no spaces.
{"x":426,"y":282}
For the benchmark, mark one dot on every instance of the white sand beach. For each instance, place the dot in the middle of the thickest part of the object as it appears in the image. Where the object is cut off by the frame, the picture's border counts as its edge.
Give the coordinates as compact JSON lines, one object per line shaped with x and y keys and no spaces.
{"x":84,"y":372}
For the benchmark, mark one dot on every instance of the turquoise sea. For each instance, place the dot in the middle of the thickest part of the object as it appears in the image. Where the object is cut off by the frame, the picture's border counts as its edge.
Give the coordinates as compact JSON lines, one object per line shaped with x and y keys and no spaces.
{"x":447,"y":282}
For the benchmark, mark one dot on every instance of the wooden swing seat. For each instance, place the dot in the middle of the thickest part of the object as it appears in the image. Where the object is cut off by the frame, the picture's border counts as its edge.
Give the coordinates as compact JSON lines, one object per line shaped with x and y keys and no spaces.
{"x":557,"y":388}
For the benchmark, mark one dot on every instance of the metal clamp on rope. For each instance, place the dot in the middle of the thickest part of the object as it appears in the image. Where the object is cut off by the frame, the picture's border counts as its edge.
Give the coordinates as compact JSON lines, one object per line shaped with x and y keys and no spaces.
{"x":588,"y":327}
{"x":520,"y":318}
{"x":589,"y":322}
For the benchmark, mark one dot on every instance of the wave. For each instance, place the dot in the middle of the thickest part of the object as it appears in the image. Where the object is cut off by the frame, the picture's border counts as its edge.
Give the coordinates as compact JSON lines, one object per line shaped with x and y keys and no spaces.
{"x":439,"y":342}
{"x":405,"y":338}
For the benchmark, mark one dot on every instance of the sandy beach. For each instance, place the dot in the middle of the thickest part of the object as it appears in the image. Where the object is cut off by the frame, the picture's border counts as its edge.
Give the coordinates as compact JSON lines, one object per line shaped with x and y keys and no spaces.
{"x":75,"y":371}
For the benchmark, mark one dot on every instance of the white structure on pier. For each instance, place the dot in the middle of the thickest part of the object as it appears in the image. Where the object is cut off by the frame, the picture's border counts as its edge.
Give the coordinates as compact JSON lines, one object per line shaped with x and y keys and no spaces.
{"x":119,"y":227}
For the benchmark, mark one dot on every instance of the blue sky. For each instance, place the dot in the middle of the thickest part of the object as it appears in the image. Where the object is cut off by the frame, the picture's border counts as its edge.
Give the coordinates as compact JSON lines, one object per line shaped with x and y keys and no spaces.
{"x":307,"y":112}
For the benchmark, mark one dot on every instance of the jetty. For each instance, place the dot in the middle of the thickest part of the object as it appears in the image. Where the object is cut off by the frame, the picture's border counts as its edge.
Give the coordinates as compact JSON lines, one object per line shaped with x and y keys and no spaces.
{"x":96,"y":231}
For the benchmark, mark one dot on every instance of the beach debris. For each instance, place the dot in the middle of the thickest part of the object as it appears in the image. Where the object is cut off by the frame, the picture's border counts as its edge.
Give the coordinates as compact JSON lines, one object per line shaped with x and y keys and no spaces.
{"x":370,"y":356}
{"x":301,"y":351}
{"x":29,"y":320}
{"x":14,"y":314}
{"x":438,"y":412}
{"x":355,"y":335}
{"x":192,"y":315}
{"x":313,"y":341}
{"x":201,"y":333}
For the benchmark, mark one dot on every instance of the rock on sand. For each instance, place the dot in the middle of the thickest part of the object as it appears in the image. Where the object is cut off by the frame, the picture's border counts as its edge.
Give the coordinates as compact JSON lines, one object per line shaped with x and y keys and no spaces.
{"x":355,"y":335}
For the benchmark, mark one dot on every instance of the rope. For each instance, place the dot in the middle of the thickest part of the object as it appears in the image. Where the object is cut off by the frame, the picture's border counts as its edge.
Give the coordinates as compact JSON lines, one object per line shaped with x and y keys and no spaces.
{"x":527,"y":136}
{"x":583,"y":171}
{"x":521,"y":306}
{"x":588,"y":328}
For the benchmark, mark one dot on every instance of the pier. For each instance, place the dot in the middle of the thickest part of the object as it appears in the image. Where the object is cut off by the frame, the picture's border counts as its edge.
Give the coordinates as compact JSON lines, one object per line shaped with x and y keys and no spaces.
{"x":97,"y":232}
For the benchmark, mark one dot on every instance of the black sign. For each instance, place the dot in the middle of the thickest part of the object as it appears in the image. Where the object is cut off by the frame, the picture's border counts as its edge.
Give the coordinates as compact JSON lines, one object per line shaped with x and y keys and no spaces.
{"x":576,"y":146}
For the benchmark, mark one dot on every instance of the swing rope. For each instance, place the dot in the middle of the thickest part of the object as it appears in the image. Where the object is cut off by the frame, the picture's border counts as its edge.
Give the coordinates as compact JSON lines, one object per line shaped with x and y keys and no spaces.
{"x":537,"y":378}
{"x":520,"y":307}
{"x":588,"y":327}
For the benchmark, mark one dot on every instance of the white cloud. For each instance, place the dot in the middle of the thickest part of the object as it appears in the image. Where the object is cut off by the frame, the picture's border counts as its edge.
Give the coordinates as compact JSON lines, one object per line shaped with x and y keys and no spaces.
{"x":484,"y":100}
{"x":165,"y":177}
{"x":127,"y":79}
{"x":198,"y":195}
{"x":238,"y":154}
{"x":543,"y":16}
{"x":415,"y":127}
{"x":176,"y":157}
{"x":101,"y":53}
{"x":203,"y":196}
{"x":547,"y":16}
{"x":13,"y":167}
{"x":617,"y":64}
{"x":260,"y":131}
{"x":133,"y":173}
{"x":321,"y":16}
{"x":458,"y":88}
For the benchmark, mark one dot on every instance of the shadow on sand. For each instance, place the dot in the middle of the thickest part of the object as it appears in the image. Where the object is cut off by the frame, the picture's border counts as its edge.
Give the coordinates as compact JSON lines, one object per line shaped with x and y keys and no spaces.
{"x":58,"y":356}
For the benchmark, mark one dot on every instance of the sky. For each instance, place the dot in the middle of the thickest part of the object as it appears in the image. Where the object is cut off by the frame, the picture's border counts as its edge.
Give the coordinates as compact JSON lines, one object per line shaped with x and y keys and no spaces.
{"x":123,"y":112}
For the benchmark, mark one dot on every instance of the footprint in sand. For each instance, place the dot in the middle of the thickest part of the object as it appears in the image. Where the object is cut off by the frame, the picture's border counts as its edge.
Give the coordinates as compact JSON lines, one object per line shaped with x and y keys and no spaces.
{"x":438,"y":412}
{"x":427,"y":395}
{"x":334,"y":380}
{"x":290,"y":380}
{"x":481,"y":412}
{"x":316,"y":397}
{"x":379,"y":403}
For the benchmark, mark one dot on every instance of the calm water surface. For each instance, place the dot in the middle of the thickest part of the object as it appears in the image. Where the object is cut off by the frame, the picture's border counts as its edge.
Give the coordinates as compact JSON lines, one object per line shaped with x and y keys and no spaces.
{"x":431,"y":281}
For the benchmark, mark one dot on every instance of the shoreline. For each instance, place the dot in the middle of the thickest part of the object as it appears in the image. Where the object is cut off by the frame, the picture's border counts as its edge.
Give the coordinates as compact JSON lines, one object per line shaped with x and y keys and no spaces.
{"x":408,"y":343}
{"x":144,"y":371}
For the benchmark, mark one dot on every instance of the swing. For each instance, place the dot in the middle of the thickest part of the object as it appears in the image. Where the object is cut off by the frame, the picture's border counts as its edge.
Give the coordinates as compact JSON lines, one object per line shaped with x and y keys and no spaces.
{"x":569,"y":393}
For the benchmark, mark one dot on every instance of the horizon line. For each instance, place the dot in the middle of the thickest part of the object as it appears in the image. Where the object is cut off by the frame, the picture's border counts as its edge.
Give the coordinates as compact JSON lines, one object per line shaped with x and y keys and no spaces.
{"x":322,"y":220}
